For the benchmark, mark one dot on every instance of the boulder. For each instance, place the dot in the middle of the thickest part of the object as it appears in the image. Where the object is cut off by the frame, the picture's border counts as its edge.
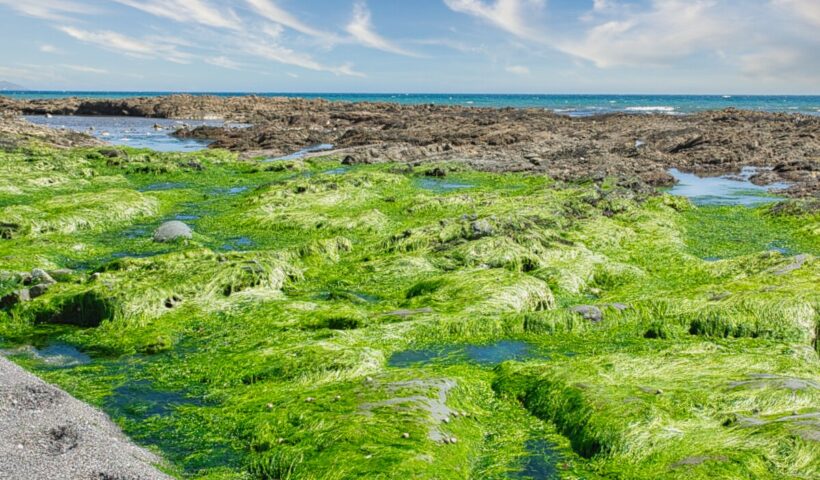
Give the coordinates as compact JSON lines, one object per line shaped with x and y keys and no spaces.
{"x":41,"y":277}
{"x":173,"y":230}
{"x":589,"y":312}
{"x":13,"y":298}
{"x":38,"y":290}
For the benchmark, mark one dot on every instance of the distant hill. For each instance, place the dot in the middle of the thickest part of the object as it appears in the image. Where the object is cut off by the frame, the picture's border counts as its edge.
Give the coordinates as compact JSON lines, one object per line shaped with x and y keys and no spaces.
{"x":10,"y":86}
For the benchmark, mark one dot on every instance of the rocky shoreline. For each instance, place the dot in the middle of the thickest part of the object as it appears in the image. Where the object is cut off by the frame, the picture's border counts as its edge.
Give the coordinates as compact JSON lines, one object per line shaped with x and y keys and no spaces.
{"x":633,"y":147}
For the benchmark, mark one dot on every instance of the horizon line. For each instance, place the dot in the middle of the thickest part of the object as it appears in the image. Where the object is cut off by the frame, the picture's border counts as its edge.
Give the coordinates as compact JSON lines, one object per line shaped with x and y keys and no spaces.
{"x":248,"y":93}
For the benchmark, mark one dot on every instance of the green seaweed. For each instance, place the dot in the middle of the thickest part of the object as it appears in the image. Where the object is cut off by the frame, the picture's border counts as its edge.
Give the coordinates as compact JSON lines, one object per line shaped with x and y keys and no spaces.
{"x":271,"y":356}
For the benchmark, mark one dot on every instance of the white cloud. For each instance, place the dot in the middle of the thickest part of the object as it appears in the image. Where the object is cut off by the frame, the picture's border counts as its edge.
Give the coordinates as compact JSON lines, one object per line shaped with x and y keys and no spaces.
{"x":791,"y":64}
{"x":48,"y":9}
{"x":16,"y":73}
{"x":808,"y":10}
{"x":86,"y":69}
{"x":187,"y":11}
{"x":222,"y":61}
{"x":269,"y":10}
{"x":361,"y":28}
{"x":518,"y":70}
{"x":671,"y":30}
{"x":143,"y":48}
{"x":287,"y":56}
{"x":46,"y":48}
{"x":508,"y":15}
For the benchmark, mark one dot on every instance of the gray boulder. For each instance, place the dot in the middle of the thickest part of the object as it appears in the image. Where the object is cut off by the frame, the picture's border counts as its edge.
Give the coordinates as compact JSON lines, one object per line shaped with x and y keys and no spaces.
{"x":589,"y":312}
{"x":173,"y":230}
{"x":41,"y":277}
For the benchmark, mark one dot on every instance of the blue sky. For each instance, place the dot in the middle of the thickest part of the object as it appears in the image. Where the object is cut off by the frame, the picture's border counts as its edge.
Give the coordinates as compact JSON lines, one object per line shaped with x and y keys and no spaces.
{"x":490,"y":46}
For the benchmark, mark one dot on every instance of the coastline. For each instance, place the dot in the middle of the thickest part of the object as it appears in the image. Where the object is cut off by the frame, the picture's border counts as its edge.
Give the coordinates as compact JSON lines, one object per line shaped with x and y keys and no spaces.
{"x":634,"y":147}
{"x":315,"y":302}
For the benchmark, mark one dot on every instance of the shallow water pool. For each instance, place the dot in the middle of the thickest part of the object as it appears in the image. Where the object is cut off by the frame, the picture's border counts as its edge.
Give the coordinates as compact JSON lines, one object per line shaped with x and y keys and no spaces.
{"x":541,"y":463}
{"x":137,"y":132}
{"x":322,"y":147}
{"x":440,"y":186}
{"x":484,"y":355}
{"x":724,"y":190}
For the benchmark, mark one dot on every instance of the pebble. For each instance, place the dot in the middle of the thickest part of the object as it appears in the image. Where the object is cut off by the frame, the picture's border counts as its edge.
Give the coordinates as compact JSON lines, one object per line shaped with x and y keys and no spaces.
{"x":445,"y":420}
{"x":453,"y":440}
{"x":405,"y":435}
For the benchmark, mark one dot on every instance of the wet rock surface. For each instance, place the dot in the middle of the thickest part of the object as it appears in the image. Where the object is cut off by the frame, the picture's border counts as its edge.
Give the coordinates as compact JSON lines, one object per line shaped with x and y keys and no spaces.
{"x":641,"y":147}
{"x":418,"y":399}
{"x":45,"y":434}
{"x":15,"y":132}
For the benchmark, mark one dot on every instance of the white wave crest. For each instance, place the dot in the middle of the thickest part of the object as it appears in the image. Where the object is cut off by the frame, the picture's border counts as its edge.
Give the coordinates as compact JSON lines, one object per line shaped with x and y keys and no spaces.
{"x":650,"y":109}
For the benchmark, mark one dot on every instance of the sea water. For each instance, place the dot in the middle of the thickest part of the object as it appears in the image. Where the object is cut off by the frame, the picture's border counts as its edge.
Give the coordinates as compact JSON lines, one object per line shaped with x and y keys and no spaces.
{"x":573,"y":105}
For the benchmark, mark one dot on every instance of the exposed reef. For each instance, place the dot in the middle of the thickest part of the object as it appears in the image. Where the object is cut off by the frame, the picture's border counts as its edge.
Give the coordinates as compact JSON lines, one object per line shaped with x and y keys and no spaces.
{"x":638,"y":147}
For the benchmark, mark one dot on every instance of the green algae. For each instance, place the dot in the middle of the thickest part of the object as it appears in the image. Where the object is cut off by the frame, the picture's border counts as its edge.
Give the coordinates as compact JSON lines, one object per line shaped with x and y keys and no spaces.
{"x":273,"y":359}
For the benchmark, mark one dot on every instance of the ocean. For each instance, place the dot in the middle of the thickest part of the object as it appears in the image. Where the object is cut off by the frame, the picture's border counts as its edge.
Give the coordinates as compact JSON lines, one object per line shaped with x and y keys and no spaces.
{"x":573,"y":105}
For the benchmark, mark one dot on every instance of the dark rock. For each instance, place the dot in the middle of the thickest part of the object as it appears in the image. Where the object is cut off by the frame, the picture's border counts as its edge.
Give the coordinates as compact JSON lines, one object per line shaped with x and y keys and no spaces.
{"x":173,"y":230}
{"x":437,"y":172}
{"x":10,"y":300}
{"x":38,"y":290}
{"x":8,"y":230}
{"x":111,"y":152}
{"x":194,"y":165}
{"x":589,"y":312}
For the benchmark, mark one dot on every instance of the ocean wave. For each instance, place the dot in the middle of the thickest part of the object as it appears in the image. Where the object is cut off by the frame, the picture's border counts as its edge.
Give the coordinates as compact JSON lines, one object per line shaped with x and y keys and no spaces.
{"x":650,"y":109}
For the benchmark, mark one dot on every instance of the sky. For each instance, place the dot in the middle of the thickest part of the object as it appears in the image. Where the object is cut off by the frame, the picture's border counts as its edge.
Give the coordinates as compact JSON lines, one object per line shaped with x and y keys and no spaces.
{"x":414,"y":46}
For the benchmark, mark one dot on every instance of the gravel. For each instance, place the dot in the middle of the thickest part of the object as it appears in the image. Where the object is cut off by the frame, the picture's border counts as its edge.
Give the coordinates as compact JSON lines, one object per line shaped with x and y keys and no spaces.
{"x":47,"y":434}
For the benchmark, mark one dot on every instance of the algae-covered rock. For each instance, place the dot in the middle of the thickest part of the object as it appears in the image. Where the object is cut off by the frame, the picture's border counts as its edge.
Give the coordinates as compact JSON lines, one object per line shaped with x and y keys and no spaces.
{"x":41,"y":277}
{"x":9,"y":300}
{"x":173,"y":230}
{"x":84,"y":309}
